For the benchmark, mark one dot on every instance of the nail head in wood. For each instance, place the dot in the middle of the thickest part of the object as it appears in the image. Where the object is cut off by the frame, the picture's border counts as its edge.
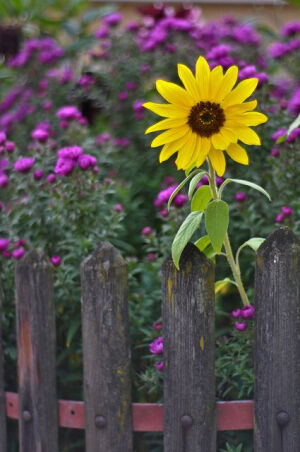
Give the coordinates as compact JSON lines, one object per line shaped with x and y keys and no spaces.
{"x":100,"y":421}
{"x":283,"y":419}
{"x":186,"y":421}
{"x":26,"y":416}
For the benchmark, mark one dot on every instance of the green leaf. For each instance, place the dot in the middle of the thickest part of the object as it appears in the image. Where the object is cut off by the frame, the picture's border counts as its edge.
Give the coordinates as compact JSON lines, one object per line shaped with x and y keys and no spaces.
{"x":201,"y":198}
{"x":72,"y":331}
{"x":194,"y":182}
{"x":253,"y":243}
{"x":202,"y":243}
{"x":180,"y":186}
{"x":245,"y":182}
{"x":216,"y":223}
{"x":184,"y":234}
{"x":220,"y":285}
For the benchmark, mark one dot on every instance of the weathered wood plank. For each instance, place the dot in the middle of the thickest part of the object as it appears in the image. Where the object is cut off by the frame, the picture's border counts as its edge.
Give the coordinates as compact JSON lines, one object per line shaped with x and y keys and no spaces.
{"x":3,"y":435}
{"x":277,"y":344}
{"x":106,"y":351}
{"x":36,"y":342}
{"x":189,"y":354}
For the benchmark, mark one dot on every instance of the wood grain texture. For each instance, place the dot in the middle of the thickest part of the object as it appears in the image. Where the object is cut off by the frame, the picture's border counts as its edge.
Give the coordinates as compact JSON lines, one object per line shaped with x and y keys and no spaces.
{"x":3,"y":434}
{"x":277,"y":344}
{"x":105,"y":330}
{"x":189,"y":353}
{"x":36,"y":342}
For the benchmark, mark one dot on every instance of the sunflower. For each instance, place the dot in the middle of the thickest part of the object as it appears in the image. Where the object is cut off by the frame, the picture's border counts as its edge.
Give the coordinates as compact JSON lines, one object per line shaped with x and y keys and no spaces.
{"x":206,"y":118}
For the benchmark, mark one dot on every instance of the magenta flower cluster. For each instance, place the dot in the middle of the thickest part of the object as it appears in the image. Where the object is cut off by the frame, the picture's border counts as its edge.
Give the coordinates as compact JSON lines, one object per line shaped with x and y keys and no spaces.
{"x":70,"y":113}
{"x":285,"y":213}
{"x":242,"y":316}
{"x":71,"y":156}
{"x":14,"y":250}
{"x":156,"y":348}
{"x":46,"y":50}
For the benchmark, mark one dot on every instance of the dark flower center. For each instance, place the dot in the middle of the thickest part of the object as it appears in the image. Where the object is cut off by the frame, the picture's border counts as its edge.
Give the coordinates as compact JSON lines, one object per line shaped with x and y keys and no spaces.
{"x":206,"y":118}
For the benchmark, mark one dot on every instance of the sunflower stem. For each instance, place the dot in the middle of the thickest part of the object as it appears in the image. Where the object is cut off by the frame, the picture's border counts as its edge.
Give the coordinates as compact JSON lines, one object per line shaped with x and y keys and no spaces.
{"x":229,"y":255}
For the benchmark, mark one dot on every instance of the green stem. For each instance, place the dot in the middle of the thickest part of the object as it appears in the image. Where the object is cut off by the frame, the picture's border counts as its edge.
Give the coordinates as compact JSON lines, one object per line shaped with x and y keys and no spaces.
{"x":229,"y":255}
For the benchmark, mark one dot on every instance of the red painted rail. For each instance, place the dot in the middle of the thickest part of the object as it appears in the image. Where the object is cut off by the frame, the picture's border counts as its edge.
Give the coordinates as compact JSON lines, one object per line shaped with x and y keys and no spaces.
{"x":147,"y":417}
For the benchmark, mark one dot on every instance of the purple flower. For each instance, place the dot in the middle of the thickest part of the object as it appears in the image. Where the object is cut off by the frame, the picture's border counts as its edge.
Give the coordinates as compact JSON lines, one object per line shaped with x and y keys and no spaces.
{"x":103,"y":138}
{"x":2,"y":137}
{"x":278,"y":49}
{"x":164,"y":196}
{"x":85,"y":161}
{"x":130,"y":86}
{"x":51,"y":178}
{"x":64,"y":166}
{"x":295,"y":133}
{"x":24,"y":164}
{"x":157,"y":325}
{"x":18,"y":253}
{"x":70,"y":152}
{"x":68,"y":113}
{"x":10,"y":146}
{"x":236,"y":313}
{"x":138,"y":105}
{"x":146,"y":230}
{"x":102,"y":32}
{"x":245,"y":34}
{"x":286,"y":211}
{"x":3,"y":180}
{"x":132,"y":26}
{"x":113,"y":19}
{"x":40,"y":135}
{"x":156,"y":347}
{"x":180,"y":200}
{"x":240,"y":196}
{"x":240,"y":326}
{"x":4,"y":243}
{"x":151,"y":256}
{"x":275,"y":152}
{"x":294,"y":103}
{"x":38,"y":174}
{"x":290,"y":28}
{"x":279,"y":133}
{"x":279,"y":218}
{"x":6,"y":254}
{"x":3,"y":164}
{"x":122,"y":95}
{"x":160,"y":366}
{"x":55,"y":260}
{"x":247,"y":312}
{"x":118,"y":207}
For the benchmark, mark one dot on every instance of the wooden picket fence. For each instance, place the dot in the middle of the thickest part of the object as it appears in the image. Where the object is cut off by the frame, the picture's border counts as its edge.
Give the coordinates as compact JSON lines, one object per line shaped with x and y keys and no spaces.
{"x":190,"y":417}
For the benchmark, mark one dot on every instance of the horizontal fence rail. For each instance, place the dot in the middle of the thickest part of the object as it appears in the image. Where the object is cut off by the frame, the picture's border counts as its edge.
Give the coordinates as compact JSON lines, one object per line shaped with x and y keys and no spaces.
{"x":147,"y":417}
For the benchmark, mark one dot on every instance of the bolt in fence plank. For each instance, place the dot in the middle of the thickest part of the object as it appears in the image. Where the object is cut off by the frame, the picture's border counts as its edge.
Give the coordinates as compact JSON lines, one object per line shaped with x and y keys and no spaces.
{"x":277,"y":344}
{"x":189,"y":354}
{"x":3,"y":436}
{"x":106,"y":352}
{"x":36,"y":342}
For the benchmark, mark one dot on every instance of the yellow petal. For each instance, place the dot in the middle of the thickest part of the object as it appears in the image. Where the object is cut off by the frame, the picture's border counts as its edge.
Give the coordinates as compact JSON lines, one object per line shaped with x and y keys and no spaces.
{"x":174,"y":93}
{"x":217,"y":160}
{"x":186,"y":155}
{"x":228,"y":82}
{"x":247,"y":135}
{"x":166,"y":124}
{"x":203,"y":148}
{"x":241,"y":108}
{"x":216,"y":78}
{"x":167,"y":151}
{"x":251,"y":118}
{"x":176,"y":145}
{"x":228,"y":134}
{"x":237,"y":153}
{"x":240,"y":93}
{"x":203,"y":77}
{"x":167,"y":110}
{"x":169,"y":135}
{"x":218,"y":141}
{"x":189,"y":82}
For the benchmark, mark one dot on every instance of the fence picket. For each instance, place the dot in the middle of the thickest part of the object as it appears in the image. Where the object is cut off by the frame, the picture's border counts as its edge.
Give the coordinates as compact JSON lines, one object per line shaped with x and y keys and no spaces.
{"x":189,"y":343}
{"x":106,"y":352}
{"x":277,"y":344}
{"x":3,"y":435}
{"x":36,"y":340}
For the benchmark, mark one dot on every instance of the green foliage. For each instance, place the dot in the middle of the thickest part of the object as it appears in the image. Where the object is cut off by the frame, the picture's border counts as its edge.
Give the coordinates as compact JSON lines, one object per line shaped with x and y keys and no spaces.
{"x":216,"y":222}
{"x":184,"y":234}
